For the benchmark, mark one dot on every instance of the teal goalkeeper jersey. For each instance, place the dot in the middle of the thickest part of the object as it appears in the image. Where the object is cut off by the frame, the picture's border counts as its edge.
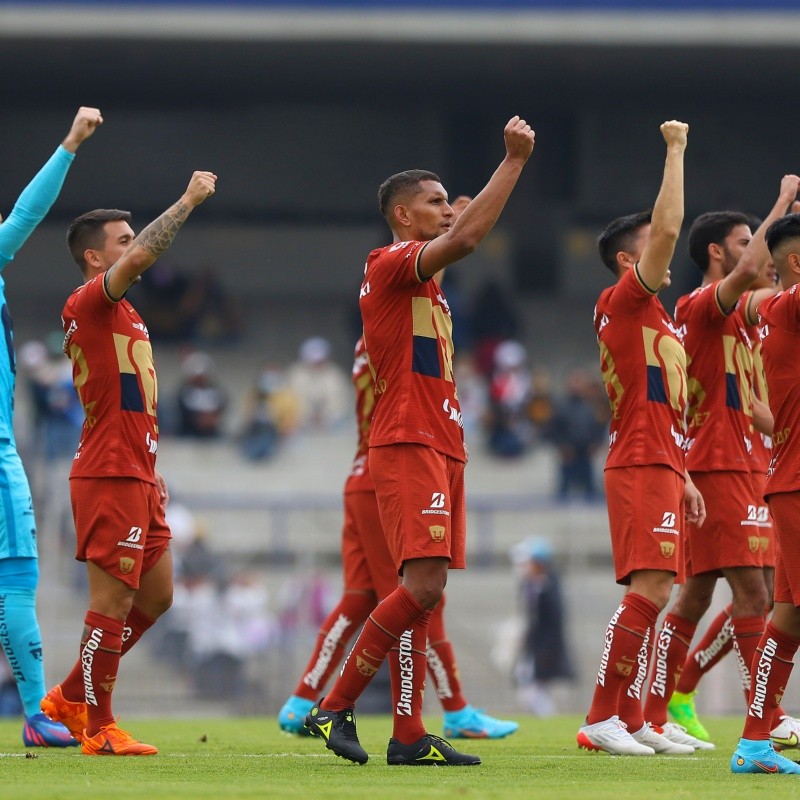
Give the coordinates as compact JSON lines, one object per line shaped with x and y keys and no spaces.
{"x":29,"y":210}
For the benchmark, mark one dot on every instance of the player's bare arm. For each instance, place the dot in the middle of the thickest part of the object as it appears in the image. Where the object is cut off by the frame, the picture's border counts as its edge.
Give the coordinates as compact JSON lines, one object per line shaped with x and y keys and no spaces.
{"x":86,"y":122}
{"x":694,"y":505}
{"x":665,"y":226}
{"x":480,"y":216}
{"x":763,"y":420}
{"x":158,"y":236}
{"x":755,"y":254}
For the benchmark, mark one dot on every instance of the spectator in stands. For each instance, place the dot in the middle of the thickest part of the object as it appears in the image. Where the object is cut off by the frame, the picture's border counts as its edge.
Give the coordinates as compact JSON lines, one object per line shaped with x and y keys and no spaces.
{"x":322,"y":388}
{"x":510,"y":429}
{"x":543,"y":656}
{"x":494,"y":320}
{"x":201,"y":398}
{"x":270,"y":415}
{"x":578,"y":428}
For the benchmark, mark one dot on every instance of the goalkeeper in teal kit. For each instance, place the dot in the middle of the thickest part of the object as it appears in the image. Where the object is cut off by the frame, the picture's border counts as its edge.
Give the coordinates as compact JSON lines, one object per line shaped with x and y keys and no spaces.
{"x":19,"y":570}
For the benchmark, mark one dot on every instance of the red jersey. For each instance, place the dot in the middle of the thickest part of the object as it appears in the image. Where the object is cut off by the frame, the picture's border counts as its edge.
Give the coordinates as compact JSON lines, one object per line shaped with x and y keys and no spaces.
{"x":780,"y":338}
{"x":720,"y":369}
{"x":359,"y":479}
{"x":762,"y":443}
{"x":644,"y":370}
{"x":114,"y":376}
{"x":408,"y":334}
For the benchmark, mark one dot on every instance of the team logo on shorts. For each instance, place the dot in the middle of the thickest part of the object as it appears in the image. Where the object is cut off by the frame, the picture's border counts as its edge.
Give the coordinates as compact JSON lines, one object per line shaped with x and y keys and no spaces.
{"x":667,"y":549}
{"x":126,"y":565}
{"x":437,"y":533}
{"x":764,"y":544}
{"x":754,"y":543}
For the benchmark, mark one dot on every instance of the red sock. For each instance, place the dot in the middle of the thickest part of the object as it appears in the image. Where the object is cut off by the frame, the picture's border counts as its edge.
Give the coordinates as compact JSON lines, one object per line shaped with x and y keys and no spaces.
{"x":136,"y":623}
{"x":101,"y":648}
{"x":747,"y":632}
{"x":333,"y":636}
{"x":407,"y":672}
{"x":384,"y":627}
{"x":621,"y":660}
{"x":670,"y":649}
{"x":442,"y":663}
{"x":716,"y":643}
{"x":771,"y":671}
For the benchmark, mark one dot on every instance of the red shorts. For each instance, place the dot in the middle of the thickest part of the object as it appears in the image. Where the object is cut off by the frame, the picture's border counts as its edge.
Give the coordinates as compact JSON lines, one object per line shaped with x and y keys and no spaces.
{"x":366,"y":561}
{"x":764,"y":520}
{"x":421,"y":500}
{"x":785,"y":507}
{"x":645,"y":515}
{"x":730,"y":536}
{"x":120,"y":525}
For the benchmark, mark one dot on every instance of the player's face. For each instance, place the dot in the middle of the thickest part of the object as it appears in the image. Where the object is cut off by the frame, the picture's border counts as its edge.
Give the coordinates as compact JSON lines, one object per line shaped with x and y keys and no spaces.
{"x":119,"y":236}
{"x":430,"y":213}
{"x":733,"y":245}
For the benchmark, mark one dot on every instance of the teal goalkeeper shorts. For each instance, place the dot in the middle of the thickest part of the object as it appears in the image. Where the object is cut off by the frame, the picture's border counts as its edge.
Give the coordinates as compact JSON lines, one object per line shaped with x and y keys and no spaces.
{"x":17,"y":522}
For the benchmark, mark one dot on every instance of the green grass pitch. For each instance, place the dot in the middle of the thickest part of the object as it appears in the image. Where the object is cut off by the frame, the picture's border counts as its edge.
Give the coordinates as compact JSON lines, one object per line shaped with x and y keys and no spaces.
{"x":249,"y":757}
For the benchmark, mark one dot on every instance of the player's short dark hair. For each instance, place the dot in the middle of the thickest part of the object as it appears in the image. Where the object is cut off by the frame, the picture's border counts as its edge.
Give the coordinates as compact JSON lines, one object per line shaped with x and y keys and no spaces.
{"x":781,"y":230}
{"x":87,"y":232}
{"x":620,"y":235}
{"x":712,"y":228}
{"x":403,"y":183}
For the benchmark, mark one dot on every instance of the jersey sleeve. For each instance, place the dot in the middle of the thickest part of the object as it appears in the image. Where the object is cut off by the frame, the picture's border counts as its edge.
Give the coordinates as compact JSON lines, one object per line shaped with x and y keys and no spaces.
{"x":93,"y":302}
{"x":33,"y":204}
{"x":783,"y":310}
{"x":629,"y":295}
{"x":398,"y":265}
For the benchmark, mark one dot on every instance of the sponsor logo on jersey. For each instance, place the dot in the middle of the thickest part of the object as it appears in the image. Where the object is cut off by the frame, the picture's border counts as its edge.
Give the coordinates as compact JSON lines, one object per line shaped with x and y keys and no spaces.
{"x":405,"y":660}
{"x":152,"y":444}
{"x":658,"y":687}
{"x":438,"y":500}
{"x":760,"y":678}
{"x":87,"y":659}
{"x":327,"y":651}
{"x":140,"y":326}
{"x":609,"y":640}
{"x":703,"y":657}
{"x":635,"y":689}
{"x":453,"y":413}
{"x":668,"y":520}
{"x":133,"y":540}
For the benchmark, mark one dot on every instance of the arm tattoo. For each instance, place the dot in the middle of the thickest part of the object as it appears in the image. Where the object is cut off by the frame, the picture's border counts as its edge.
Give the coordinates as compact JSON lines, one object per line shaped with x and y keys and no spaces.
{"x":158,"y":235}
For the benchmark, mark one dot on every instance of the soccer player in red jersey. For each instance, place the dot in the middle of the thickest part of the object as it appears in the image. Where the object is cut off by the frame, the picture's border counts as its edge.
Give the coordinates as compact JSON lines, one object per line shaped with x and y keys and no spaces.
{"x":369,"y":576}
{"x":772,"y":666}
{"x":717,"y":641}
{"x":118,"y":497}
{"x":416,"y":452}
{"x":644,"y":370}
{"x":721,"y":415}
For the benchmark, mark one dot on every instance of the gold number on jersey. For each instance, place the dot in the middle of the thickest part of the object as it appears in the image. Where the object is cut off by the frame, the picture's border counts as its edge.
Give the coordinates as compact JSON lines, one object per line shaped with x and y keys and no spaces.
{"x":141,"y":355}
{"x":739,"y":363}
{"x":664,"y":350}
{"x":80,"y":376}
{"x":611,"y":380}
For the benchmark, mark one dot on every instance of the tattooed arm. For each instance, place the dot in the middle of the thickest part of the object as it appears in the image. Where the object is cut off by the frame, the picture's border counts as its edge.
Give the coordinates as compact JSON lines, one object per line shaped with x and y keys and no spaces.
{"x":157,"y":236}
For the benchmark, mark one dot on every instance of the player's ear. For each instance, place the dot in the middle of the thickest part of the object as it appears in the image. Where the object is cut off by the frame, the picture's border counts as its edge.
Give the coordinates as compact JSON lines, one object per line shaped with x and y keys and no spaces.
{"x":401,"y":215}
